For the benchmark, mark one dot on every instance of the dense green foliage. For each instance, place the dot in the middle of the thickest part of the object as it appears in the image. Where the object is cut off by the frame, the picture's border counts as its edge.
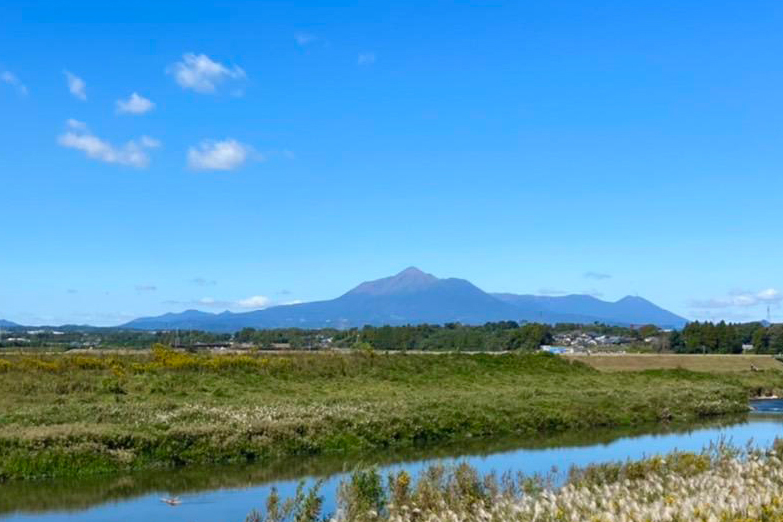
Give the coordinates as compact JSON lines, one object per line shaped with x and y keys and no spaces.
{"x":506,"y":335}
{"x":769,"y":339}
{"x":76,"y":414}
{"x":724,"y":337}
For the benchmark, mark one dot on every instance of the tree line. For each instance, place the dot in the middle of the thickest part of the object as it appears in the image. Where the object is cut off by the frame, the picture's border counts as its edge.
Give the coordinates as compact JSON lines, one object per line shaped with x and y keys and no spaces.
{"x":696,"y":337}
{"x":722,"y":337}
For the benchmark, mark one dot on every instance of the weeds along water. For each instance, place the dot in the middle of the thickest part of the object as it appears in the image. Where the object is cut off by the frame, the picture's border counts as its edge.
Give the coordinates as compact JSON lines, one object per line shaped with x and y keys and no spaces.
{"x":722,"y":483}
{"x":66,"y":415}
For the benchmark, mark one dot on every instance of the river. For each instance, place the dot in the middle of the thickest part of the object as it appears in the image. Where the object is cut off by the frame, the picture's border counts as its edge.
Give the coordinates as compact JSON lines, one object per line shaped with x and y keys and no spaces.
{"x":219,"y":494}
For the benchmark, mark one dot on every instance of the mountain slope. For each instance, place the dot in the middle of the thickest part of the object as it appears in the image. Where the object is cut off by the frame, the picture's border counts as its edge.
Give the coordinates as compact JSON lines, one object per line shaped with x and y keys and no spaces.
{"x":8,"y":324}
{"x":415,"y":297}
{"x":627,"y":311}
{"x":410,"y":297}
{"x":187,"y":320}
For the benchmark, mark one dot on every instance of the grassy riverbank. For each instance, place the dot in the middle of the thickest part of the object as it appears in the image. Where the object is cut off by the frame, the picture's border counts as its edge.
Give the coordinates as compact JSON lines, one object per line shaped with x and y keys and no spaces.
{"x":77,"y":415}
{"x":720,"y":484}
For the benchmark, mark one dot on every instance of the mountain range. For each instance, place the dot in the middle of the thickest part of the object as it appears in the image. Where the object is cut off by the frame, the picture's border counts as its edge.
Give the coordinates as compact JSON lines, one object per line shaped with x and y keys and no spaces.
{"x":415,"y":297}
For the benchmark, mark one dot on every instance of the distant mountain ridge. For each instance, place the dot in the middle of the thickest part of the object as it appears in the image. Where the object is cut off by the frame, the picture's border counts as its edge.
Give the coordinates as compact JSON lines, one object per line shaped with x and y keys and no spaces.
{"x":629,"y":310}
{"x":415,"y":297}
{"x":8,"y":324}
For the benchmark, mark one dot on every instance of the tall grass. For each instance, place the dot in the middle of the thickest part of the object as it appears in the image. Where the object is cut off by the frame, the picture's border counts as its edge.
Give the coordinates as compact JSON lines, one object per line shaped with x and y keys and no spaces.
{"x":63,"y":415}
{"x":720,"y":484}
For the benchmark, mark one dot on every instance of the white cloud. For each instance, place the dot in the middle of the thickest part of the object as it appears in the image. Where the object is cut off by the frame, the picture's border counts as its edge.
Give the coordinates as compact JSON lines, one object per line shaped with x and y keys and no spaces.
{"x":132,"y":153}
{"x":227,"y":154}
{"x":135,"y":104}
{"x":76,"y":85}
{"x":150,"y":143}
{"x":769,"y":296}
{"x":366,"y":58}
{"x":256,"y":301}
{"x":201,"y":74}
{"x":12,"y":80}
{"x":251,"y":303}
{"x":303,"y":39}
{"x":76,"y":124}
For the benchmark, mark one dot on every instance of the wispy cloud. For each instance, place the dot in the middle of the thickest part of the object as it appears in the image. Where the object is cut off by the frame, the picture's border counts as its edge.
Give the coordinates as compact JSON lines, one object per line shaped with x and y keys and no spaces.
{"x":199,"y":73}
{"x":135,"y":104}
{"x":740,"y":298}
{"x":76,"y":85}
{"x":366,"y":58}
{"x":201,"y":281}
{"x":227,"y":154}
{"x":133,"y":153}
{"x":76,"y":124}
{"x":11,"y":79}
{"x":597,"y":275}
{"x":303,"y":39}
{"x":255,"y":302}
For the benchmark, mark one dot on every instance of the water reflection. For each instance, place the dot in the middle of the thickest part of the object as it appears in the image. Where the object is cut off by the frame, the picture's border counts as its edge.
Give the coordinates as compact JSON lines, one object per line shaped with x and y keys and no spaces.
{"x":229,"y":493}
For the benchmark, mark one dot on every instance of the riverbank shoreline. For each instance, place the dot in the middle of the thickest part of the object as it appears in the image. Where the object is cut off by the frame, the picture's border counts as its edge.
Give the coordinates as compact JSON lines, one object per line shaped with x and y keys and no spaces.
{"x":79,"y":416}
{"x":197,"y":484}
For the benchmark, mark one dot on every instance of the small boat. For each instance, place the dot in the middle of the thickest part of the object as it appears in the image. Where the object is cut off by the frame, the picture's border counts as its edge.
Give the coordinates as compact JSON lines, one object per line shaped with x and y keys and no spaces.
{"x":174,"y":501}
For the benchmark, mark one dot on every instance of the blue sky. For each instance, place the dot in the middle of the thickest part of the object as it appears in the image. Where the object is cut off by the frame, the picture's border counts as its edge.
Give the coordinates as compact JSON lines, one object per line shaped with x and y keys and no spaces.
{"x":286,"y":151}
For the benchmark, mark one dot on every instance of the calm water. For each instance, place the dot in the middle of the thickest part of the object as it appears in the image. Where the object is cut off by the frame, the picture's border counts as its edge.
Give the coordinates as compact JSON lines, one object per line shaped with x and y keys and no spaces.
{"x":229,"y":493}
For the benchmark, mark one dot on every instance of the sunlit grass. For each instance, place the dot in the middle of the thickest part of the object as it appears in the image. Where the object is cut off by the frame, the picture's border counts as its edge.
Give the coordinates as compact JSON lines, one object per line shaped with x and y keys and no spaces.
{"x":721,"y":484}
{"x":72,"y":415}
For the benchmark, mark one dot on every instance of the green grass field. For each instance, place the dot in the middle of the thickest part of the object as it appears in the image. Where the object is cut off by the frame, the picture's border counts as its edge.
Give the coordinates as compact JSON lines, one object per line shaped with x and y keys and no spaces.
{"x":697,"y":363}
{"x":64,"y":415}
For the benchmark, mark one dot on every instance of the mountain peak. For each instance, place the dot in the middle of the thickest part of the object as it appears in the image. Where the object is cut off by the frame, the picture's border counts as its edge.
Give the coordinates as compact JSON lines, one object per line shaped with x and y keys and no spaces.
{"x":411,"y":270}
{"x":634,"y":299}
{"x":409,"y":280}
{"x":416,"y":297}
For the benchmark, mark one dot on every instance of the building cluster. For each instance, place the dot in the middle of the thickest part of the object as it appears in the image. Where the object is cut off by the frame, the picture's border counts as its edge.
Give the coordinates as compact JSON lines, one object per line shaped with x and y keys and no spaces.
{"x":589,"y":340}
